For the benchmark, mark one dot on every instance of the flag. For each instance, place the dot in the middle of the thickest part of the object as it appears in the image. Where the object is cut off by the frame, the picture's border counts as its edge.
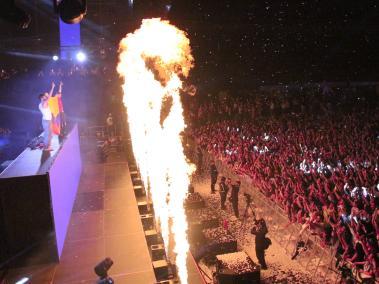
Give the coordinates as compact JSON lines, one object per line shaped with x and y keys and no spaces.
{"x":56,"y":108}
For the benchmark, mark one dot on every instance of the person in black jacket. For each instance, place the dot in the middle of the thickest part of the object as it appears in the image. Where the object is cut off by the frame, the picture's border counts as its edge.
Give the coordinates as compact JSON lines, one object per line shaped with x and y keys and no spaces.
{"x":214,"y":174}
{"x":234,"y":197}
{"x":260,"y":231}
{"x":223,"y":189}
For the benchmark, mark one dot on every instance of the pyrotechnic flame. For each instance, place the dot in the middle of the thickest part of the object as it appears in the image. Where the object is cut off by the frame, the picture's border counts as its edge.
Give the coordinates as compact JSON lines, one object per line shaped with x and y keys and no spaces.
{"x":152,"y":60}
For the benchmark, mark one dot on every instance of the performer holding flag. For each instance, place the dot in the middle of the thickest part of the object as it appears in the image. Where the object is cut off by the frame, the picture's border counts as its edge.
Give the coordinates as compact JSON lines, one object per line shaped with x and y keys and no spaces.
{"x":51,"y":109}
{"x":58,"y":122}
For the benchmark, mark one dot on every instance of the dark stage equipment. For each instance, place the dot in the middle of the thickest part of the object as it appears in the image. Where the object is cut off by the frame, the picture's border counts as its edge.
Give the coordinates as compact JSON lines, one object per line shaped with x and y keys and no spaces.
{"x":101,"y":270}
{"x":194,"y":201}
{"x":147,"y":221}
{"x":157,"y":252}
{"x":145,"y":207}
{"x":151,"y":237}
{"x":10,"y":12}
{"x":136,"y":180}
{"x":134,"y":174}
{"x":71,"y":11}
{"x":139,"y":190}
{"x":164,"y":270}
{"x":161,"y":269}
{"x":37,"y":194}
{"x":249,"y":274}
{"x":132,"y":166}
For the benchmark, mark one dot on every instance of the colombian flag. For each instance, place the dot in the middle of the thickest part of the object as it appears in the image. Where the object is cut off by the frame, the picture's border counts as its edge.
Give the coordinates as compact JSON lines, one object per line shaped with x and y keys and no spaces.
{"x":56,"y":108}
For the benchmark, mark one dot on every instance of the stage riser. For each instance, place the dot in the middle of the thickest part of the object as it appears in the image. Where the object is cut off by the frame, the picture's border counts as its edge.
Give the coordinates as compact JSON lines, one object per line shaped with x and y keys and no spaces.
{"x":35,"y":209}
{"x":25,"y":215}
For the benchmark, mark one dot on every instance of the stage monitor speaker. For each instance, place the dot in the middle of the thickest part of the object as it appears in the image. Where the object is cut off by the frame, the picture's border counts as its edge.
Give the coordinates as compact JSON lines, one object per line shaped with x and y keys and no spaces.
{"x":158,"y":252}
{"x":144,"y":207}
{"x":139,"y":191}
{"x":151,"y":237}
{"x":134,"y":174}
{"x":161,"y":269}
{"x":147,"y":221}
{"x":136,"y":180}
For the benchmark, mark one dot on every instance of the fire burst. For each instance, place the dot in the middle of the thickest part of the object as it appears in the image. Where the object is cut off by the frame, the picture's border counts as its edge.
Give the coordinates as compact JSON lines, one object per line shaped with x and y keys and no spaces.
{"x":152,"y":61}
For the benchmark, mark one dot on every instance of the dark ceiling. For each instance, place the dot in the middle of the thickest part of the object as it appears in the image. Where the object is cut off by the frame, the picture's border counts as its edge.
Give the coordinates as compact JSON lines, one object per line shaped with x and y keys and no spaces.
{"x":234,"y":42}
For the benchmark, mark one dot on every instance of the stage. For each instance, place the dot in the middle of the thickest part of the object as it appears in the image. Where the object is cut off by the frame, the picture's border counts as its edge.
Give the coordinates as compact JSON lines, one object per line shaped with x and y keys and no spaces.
{"x":32,"y":162}
{"x":104,"y":222}
{"x":37,"y":195}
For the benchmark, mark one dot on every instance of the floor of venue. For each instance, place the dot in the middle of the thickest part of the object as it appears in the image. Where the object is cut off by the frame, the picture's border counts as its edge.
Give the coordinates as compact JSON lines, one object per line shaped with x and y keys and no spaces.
{"x":281,"y":269}
{"x":25,"y":164}
{"x":105,"y":222}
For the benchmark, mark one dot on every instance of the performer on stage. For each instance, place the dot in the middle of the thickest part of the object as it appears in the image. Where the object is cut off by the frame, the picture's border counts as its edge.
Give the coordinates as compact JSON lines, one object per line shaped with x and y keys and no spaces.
{"x":58,"y":121}
{"x":46,"y":118}
{"x":52,"y":115}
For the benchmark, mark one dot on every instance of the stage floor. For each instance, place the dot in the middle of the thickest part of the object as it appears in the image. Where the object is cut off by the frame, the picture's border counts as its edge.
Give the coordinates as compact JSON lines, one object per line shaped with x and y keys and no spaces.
{"x":105,"y":222}
{"x":32,"y":162}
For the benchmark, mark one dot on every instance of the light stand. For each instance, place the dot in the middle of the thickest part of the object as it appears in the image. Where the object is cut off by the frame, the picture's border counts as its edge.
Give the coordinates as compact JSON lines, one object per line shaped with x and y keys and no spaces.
{"x":246,"y":212}
{"x":101,"y":270}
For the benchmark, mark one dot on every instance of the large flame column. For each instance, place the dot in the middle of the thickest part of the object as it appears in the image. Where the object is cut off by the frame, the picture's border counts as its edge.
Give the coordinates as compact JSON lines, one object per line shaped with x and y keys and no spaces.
{"x":152,"y":61}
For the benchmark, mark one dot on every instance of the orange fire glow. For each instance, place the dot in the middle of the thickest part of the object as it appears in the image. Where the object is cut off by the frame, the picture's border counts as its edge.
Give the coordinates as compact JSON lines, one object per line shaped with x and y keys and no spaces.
{"x":153,"y":60}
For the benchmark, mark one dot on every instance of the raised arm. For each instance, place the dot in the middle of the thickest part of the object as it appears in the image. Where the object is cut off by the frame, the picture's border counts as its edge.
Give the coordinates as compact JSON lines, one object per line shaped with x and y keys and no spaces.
{"x":52,"y":89}
{"x":60,"y":88}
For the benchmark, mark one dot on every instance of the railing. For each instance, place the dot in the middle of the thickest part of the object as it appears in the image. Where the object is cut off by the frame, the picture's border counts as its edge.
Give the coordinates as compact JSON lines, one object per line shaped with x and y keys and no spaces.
{"x":317,"y":259}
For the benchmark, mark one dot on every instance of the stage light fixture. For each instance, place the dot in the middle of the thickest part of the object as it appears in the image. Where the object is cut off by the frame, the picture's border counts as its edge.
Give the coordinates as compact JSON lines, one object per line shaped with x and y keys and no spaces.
{"x":71,"y":11}
{"x":55,"y":57}
{"x":81,"y":56}
{"x":101,"y":270}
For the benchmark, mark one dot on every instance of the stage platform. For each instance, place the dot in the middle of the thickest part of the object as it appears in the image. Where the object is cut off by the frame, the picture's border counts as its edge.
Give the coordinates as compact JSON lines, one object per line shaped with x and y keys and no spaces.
{"x":37,"y":193}
{"x":105,"y":222}
{"x":32,"y":162}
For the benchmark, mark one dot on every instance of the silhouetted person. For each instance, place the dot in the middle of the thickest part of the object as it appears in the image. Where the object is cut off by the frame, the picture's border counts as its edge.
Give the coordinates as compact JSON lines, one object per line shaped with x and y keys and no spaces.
{"x":260,"y":231}
{"x":199,"y":156}
{"x":214,"y":174}
{"x":223,"y":189}
{"x":234,"y":197}
{"x":46,"y":117}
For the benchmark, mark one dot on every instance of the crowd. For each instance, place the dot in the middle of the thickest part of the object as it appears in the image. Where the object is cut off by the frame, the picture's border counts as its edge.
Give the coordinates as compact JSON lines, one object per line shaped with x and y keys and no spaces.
{"x":58,"y":72}
{"x":5,"y":132}
{"x":315,"y":155}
